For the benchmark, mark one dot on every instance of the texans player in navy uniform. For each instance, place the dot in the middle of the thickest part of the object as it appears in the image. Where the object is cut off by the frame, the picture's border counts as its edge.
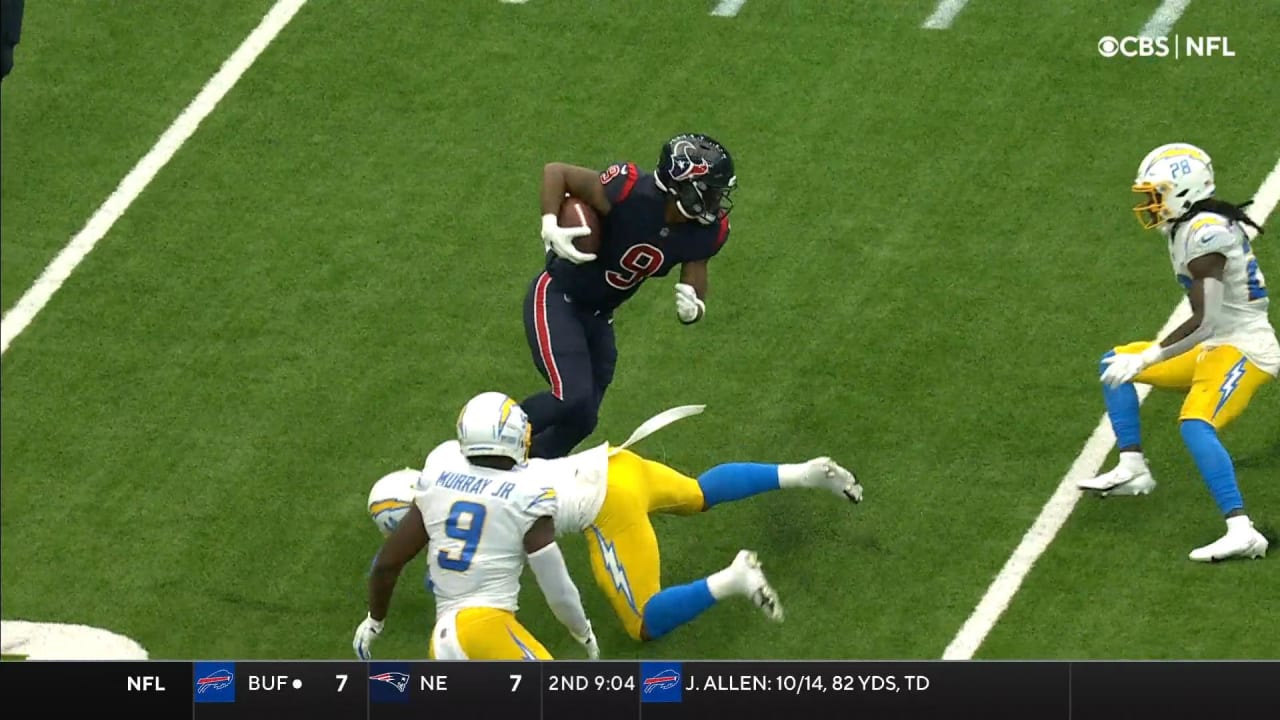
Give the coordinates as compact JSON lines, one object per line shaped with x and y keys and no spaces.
{"x":649,"y":223}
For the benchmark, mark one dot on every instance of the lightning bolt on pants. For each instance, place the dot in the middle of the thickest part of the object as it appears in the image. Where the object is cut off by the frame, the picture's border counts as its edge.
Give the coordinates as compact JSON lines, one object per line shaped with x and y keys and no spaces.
{"x":481,"y":633}
{"x":1219,"y":382}
{"x":622,"y":544}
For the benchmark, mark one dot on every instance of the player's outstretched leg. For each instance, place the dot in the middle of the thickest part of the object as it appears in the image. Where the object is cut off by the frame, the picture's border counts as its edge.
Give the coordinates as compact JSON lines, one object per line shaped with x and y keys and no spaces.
{"x":675,"y":606}
{"x":1219,"y":473}
{"x":735,"y":481}
{"x":1131,"y":476}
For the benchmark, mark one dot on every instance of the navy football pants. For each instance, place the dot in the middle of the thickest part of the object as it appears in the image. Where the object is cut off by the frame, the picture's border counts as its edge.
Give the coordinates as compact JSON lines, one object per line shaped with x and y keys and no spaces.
{"x":574,"y":349}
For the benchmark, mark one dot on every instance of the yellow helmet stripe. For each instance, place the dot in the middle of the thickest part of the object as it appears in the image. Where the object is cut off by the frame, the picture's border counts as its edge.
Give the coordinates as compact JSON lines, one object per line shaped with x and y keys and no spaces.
{"x":384,"y":505}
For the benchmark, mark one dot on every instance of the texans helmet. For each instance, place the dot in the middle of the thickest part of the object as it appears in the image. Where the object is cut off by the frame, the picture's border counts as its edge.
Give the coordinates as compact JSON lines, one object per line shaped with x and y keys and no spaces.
{"x":698,"y":172}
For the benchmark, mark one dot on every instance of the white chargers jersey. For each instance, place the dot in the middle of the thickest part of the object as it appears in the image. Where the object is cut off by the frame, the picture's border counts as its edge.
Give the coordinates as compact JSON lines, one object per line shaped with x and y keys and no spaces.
{"x":581,"y":481}
{"x":476,"y":520}
{"x":1244,"y":325}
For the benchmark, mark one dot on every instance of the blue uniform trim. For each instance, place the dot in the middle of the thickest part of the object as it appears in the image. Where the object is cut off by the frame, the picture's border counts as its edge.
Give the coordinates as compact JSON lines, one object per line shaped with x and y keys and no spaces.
{"x":676,"y":606}
{"x":735,"y":481}
{"x":1214,"y":463}
{"x":1122,"y":409}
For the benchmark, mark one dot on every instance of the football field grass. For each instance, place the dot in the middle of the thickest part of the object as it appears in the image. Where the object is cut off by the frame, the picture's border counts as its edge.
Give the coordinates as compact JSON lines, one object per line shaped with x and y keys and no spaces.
{"x":932,"y":247}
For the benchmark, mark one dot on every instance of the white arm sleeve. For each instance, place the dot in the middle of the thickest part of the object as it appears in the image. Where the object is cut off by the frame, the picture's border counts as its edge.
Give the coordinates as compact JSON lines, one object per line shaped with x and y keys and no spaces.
{"x":562,"y":595}
{"x":1209,"y":317}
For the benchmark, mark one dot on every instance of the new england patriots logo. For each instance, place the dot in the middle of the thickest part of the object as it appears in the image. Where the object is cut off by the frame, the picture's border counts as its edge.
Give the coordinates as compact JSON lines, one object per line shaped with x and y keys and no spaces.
{"x":219,"y":679}
{"x":664,"y":680}
{"x":682,"y":166}
{"x":398,"y":680}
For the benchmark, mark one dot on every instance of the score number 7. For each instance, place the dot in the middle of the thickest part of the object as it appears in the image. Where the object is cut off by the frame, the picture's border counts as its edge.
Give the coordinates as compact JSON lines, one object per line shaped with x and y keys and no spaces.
{"x":515,"y":681}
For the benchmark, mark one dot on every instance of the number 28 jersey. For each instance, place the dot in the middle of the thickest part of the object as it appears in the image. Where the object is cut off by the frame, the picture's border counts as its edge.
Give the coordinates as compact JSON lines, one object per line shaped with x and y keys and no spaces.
{"x":636,"y":243}
{"x":1244,"y":325}
{"x":476,"y":519}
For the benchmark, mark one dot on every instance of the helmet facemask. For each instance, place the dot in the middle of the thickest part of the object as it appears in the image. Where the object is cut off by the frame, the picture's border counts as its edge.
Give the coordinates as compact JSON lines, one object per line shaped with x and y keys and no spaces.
{"x":1151,"y":211}
{"x":703,"y":202}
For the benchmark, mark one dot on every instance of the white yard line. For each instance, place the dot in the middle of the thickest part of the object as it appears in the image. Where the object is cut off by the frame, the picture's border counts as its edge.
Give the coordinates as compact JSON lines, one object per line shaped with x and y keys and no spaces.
{"x":1055,"y":512}
{"x":944,"y":14}
{"x":1164,"y":18}
{"x":728,"y":8}
{"x":42,"y":291}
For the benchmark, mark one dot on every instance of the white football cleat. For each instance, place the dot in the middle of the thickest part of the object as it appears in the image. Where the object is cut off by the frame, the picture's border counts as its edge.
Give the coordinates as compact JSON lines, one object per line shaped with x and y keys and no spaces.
{"x":1247,"y":543}
{"x":756,"y":586}
{"x":824,"y":472}
{"x":1121,"y":481}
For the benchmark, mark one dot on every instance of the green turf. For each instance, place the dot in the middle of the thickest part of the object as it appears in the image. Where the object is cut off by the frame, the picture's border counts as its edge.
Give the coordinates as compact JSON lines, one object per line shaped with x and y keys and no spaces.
{"x":932,"y":247}
{"x":94,"y":84}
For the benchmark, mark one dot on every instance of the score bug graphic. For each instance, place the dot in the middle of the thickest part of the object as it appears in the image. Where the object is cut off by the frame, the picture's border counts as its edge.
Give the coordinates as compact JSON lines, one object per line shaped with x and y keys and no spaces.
{"x":661,"y":683}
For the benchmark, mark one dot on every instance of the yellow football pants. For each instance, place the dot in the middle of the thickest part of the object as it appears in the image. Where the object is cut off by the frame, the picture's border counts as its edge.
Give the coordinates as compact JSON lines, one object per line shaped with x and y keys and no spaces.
{"x":484,"y":634}
{"x":1219,"y":382}
{"x":622,"y":544}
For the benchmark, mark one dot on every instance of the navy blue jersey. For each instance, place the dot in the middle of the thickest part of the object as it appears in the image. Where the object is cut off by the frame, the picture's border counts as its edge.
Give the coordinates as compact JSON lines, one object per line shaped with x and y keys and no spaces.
{"x":636,"y":243}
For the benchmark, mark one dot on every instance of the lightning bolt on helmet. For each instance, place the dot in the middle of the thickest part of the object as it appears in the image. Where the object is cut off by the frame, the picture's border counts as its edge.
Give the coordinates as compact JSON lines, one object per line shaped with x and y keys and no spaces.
{"x":698,"y":172}
{"x":1170,"y":180}
{"x":492,"y":423}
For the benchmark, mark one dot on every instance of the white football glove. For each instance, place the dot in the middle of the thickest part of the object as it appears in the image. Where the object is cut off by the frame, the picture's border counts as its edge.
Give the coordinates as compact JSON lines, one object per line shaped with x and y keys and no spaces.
{"x":588,"y":642}
{"x":365,"y":634}
{"x":688,"y":307}
{"x":559,"y":240}
{"x":1124,"y":367}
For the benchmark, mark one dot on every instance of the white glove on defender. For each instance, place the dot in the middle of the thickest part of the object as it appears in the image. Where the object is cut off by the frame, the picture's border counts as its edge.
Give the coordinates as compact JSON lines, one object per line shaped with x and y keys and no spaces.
{"x":589,"y":643}
{"x":365,"y":634}
{"x":688,"y":307}
{"x":559,"y":240}
{"x":1124,"y":367}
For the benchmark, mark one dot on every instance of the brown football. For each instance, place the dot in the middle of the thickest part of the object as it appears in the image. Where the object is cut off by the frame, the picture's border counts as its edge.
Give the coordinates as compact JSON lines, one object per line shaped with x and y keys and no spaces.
{"x":576,"y":213}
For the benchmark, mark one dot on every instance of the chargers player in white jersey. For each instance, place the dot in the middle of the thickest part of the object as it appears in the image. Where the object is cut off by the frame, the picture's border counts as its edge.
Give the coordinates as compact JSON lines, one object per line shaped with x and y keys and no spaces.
{"x":1220,"y":357}
{"x":607,"y":494}
{"x":482,"y":513}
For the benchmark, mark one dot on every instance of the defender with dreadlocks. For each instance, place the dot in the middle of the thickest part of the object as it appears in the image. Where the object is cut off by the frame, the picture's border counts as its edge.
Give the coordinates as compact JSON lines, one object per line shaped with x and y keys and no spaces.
{"x":1220,"y":357}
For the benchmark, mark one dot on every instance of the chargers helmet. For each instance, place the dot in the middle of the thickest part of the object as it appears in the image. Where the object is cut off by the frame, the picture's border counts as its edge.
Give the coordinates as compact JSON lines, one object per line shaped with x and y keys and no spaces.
{"x":1171,"y":179}
{"x":492,"y":423}
{"x":391,"y":498}
{"x":698,"y":172}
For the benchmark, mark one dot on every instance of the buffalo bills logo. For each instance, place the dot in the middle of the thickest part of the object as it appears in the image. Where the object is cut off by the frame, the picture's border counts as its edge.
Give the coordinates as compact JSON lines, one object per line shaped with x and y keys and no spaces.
{"x":684,"y":167}
{"x":219,"y":679}
{"x":664,"y":680}
{"x":398,"y":680}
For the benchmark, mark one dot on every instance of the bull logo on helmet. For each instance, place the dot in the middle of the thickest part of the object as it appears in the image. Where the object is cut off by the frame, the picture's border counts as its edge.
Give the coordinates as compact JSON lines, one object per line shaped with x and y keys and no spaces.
{"x":684,"y":167}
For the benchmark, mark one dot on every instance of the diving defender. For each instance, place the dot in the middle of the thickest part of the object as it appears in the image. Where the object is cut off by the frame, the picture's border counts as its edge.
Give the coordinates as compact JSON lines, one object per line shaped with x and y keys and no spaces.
{"x":649,"y":223}
{"x":1220,"y":357}
{"x":608,"y":494}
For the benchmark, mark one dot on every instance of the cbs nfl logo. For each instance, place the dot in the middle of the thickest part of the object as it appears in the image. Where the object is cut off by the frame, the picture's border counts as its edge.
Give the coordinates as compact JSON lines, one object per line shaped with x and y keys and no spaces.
{"x":1162,"y":46}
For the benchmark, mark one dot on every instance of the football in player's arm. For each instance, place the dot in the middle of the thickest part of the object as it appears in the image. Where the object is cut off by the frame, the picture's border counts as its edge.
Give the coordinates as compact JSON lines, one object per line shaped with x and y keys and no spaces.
{"x":588,"y":185}
{"x":678,"y":215}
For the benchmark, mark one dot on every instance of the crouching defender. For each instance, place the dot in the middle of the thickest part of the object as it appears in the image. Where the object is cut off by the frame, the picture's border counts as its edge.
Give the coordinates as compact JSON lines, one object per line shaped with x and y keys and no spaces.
{"x":482,"y":515}
{"x":1220,"y":357}
{"x":608,"y":494}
